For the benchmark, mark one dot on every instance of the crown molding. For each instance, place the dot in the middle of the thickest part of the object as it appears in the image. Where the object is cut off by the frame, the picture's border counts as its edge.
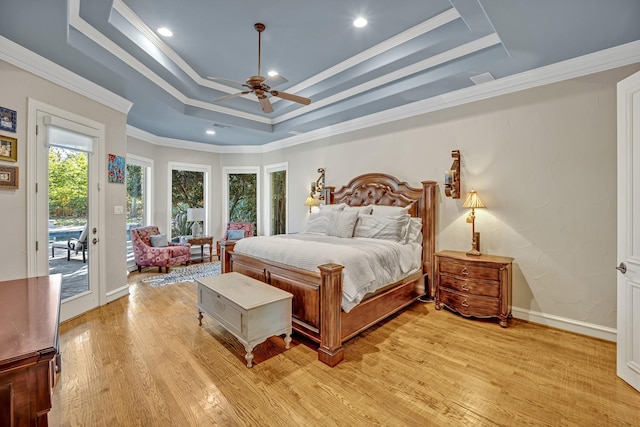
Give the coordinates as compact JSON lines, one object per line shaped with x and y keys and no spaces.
{"x":150,"y":138}
{"x":577,"y":67}
{"x":607,"y":59}
{"x":431,"y":62}
{"x":23,"y":58}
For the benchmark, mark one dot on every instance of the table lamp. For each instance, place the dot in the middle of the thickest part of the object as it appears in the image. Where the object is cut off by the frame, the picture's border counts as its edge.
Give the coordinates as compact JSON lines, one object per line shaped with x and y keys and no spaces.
{"x":196,"y":215}
{"x":473,"y":201}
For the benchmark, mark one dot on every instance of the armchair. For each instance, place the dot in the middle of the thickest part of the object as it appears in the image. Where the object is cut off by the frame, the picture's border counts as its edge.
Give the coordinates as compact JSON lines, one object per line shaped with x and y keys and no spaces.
{"x":247,"y":227}
{"x":157,"y":256}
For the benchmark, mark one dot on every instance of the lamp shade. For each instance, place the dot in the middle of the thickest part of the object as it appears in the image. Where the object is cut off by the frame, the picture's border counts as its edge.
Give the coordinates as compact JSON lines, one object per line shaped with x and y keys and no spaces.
{"x":311,"y":201}
{"x":195,"y":214}
{"x":473,"y":201}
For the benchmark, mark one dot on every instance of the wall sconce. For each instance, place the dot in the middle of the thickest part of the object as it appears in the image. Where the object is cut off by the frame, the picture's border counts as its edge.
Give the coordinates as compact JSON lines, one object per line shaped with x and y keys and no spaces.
{"x":318,"y":185}
{"x":316,"y":189}
{"x":473,"y":201}
{"x":196,"y":215}
{"x":452,"y":177}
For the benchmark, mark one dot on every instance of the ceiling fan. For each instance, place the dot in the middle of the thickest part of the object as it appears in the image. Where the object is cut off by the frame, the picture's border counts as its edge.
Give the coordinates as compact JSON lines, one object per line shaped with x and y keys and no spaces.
{"x":260,"y":85}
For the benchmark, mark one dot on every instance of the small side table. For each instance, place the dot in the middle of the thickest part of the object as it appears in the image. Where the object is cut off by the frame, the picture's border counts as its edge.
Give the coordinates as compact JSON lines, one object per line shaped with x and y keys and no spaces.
{"x":474,"y":286}
{"x":202,"y":240}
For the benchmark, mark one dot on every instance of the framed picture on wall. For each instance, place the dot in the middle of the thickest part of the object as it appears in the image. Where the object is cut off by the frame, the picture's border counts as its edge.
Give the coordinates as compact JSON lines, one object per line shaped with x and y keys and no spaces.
{"x":8,"y":148}
{"x":8,"y":177}
{"x":7,"y":119}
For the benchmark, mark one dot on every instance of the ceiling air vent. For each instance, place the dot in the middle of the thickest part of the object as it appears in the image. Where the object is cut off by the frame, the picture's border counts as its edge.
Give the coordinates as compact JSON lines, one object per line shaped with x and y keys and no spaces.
{"x":482,"y":78}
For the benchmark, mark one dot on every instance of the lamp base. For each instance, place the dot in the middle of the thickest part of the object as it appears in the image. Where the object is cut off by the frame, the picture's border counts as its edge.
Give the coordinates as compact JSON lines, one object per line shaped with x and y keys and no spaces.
{"x":196,"y":230}
{"x":475,"y":245}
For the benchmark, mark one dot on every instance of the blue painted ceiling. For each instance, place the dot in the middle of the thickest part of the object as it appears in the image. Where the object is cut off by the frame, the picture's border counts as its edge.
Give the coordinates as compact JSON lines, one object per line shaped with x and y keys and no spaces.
{"x":410,"y":50}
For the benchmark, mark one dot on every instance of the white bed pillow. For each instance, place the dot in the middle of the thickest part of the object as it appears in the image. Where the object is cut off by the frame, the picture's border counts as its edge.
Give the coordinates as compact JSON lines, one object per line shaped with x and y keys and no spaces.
{"x":329,"y":208}
{"x":342,"y":223}
{"x":414,"y":231}
{"x":318,"y":223}
{"x":363,"y":210}
{"x":382,"y":227}
{"x":389,"y":210}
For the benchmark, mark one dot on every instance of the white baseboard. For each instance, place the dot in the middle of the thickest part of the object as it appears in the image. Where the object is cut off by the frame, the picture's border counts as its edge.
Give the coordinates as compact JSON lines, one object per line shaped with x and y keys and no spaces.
{"x":571,"y":325}
{"x":122,"y":291}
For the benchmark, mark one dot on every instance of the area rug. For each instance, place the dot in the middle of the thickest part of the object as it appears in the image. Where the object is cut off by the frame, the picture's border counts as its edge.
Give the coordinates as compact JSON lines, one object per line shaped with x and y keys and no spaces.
{"x":185,"y":274}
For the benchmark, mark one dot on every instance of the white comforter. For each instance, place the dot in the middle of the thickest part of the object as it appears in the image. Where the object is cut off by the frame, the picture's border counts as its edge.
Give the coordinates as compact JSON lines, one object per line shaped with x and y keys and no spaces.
{"x":369,"y":263}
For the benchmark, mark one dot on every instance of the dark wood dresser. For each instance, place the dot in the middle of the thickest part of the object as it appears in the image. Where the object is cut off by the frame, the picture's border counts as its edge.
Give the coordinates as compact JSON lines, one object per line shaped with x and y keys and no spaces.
{"x":474,"y":286}
{"x":29,"y":357}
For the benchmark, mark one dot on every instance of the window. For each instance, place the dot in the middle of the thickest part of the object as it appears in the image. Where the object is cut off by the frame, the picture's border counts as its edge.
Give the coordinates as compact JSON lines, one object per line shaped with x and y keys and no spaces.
{"x":241,"y":195}
{"x":138,"y":176}
{"x":189,"y":189}
{"x":276,"y":205}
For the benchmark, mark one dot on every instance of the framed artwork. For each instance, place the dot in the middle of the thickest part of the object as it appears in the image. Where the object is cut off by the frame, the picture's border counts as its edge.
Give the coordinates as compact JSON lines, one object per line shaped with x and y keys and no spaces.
{"x":116,"y":169}
{"x":7,"y":119}
{"x":8,"y":177}
{"x":8,"y":148}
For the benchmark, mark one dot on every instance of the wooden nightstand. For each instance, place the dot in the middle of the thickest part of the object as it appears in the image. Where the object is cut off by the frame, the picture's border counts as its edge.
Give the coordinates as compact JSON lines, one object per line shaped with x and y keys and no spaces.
{"x":474,"y":286}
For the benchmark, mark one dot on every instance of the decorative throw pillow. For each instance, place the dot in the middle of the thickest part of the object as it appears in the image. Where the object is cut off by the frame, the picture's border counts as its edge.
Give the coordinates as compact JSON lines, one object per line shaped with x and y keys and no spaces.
{"x":414,"y":231}
{"x":382,"y":227}
{"x":235,"y":234}
{"x":159,"y":240}
{"x":342,"y":223}
{"x":317,"y":224}
{"x":389,"y":210}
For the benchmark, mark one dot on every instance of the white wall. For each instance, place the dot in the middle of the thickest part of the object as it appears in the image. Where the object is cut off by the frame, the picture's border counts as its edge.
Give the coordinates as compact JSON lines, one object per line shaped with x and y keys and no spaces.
{"x":543,"y":161}
{"x":17,"y":86}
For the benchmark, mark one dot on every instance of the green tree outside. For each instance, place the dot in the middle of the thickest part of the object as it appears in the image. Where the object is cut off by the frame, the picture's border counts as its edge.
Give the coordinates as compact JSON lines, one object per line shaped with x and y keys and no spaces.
{"x":68,"y":186}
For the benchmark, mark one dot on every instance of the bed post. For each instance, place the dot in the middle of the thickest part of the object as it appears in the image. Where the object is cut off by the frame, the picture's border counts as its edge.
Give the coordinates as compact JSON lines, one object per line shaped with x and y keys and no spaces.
{"x":429,"y":233}
{"x":225,"y":256}
{"x":330,"y":351}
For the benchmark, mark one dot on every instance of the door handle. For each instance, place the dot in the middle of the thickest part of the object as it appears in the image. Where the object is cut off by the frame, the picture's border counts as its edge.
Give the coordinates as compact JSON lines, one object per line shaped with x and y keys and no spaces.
{"x":622,"y":267}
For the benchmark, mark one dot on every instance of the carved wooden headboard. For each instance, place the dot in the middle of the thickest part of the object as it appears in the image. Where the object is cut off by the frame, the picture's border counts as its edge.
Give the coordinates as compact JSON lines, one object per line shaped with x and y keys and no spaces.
{"x":382,"y":189}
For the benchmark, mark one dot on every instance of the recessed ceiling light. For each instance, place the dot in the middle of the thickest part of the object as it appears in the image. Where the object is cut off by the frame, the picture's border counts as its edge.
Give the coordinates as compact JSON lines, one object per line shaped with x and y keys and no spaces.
{"x":360,"y":22}
{"x":164,"y":31}
{"x":211,"y":132}
{"x":272,"y":73}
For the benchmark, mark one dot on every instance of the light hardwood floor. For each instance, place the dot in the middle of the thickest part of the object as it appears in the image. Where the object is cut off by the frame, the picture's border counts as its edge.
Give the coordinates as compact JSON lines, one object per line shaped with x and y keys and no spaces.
{"x":144,"y":361}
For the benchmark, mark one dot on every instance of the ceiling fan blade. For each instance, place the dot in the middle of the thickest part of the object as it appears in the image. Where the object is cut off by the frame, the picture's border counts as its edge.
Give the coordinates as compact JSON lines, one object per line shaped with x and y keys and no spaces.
{"x":233,"y":82}
{"x":265,"y":104}
{"x":275,"y":81}
{"x":291,"y":97}
{"x":233,"y":95}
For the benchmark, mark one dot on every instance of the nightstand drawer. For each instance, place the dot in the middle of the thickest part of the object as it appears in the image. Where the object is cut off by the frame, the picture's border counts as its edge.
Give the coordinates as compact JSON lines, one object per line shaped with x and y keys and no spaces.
{"x":470,"y":305}
{"x":471,"y":287}
{"x":468,"y":270}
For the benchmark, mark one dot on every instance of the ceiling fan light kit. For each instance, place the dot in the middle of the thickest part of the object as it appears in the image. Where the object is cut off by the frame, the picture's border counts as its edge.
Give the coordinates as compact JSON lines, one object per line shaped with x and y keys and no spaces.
{"x":261,"y":86}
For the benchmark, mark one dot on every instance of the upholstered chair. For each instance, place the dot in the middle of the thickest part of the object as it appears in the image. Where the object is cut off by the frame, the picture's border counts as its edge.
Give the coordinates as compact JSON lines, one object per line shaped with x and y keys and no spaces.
{"x":151,"y":248}
{"x":235,"y":231}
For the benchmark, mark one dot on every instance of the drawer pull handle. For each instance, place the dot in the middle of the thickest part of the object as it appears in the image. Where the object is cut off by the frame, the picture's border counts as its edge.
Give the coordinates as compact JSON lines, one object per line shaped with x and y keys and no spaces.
{"x":465,"y":287}
{"x":465,"y":271}
{"x":465,"y":303}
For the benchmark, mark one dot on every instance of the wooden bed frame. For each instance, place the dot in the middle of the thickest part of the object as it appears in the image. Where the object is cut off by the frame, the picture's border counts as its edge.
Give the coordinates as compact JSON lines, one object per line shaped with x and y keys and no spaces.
{"x":317,"y":297}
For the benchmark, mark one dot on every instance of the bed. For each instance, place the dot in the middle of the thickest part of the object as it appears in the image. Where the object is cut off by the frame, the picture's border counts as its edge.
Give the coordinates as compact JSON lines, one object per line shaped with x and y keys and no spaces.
{"x":318,"y":296}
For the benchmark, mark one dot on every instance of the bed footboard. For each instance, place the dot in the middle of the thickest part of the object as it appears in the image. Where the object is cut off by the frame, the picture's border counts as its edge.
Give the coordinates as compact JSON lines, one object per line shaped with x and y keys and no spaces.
{"x":317,"y":297}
